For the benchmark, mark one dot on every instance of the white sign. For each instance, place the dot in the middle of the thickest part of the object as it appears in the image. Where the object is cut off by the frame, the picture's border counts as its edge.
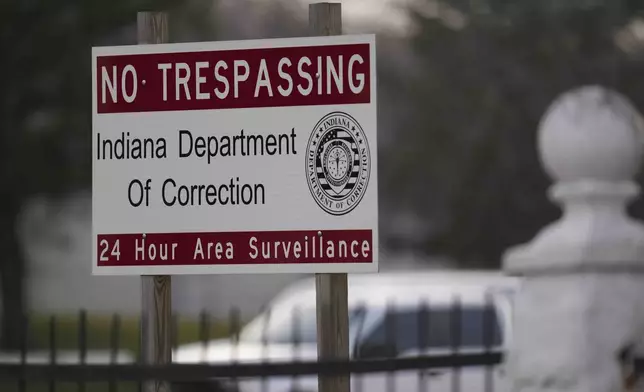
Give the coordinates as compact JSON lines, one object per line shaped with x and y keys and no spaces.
{"x":235,"y":157}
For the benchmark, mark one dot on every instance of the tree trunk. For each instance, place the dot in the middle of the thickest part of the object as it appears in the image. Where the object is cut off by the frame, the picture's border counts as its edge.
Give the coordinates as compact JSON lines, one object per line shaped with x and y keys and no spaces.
{"x":12,"y":268}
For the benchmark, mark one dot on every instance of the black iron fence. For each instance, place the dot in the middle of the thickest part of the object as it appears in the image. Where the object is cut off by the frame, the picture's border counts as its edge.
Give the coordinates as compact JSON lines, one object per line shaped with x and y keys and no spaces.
{"x":397,"y":348}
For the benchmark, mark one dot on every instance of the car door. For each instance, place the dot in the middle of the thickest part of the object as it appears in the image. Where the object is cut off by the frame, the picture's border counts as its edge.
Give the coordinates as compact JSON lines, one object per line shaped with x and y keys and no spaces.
{"x":298,"y":332}
{"x":412,"y":331}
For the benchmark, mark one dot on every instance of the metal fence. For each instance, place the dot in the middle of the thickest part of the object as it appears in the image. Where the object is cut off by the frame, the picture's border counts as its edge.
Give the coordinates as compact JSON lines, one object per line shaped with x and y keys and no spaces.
{"x":396,"y":349}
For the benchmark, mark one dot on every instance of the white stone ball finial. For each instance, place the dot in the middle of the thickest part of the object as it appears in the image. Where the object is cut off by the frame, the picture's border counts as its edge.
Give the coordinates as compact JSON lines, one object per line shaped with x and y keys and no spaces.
{"x":580,"y":301}
{"x":591,"y":141}
{"x":591,"y":133}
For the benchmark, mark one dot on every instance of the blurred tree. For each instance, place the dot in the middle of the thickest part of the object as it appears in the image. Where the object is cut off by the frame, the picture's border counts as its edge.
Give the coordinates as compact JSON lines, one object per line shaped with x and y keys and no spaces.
{"x":45,"y":107}
{"x":486,"y":71}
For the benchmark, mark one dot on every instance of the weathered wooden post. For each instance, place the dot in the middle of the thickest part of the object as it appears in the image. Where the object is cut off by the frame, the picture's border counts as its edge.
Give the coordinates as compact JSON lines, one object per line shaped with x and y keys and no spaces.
{"x":331,"y":289}
{"x":581,"y":300}
{"x":156,"y":290}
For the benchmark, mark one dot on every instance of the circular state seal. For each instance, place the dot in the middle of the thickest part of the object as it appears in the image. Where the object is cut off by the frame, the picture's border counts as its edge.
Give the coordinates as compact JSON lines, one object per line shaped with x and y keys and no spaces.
{"x":338,"y":163}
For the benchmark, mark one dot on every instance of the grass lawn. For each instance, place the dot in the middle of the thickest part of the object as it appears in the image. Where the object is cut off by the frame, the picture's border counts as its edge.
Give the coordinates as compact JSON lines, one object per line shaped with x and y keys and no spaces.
{"x":67,"y":387}
{"x":99,"y":335}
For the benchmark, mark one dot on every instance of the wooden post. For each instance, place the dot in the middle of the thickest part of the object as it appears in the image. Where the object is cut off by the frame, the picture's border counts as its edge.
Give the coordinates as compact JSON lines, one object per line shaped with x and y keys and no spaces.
{"x":152,"y":28}
{"x":333,"y":327}
{"x":156,"y":291}
{"x":331,"y":289}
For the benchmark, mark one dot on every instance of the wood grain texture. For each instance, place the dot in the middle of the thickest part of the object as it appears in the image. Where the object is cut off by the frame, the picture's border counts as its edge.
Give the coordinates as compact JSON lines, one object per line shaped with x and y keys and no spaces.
{"x":325,"y":19}
{"x":156,"y":322}
{"x":331,"y":289}
{"x":156,"y":291}
{"x":333,"y":326}
{"x":152,"y":28}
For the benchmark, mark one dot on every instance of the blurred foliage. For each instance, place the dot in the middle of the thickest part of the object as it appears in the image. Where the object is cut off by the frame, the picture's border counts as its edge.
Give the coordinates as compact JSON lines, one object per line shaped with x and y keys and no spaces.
{"x":465,"y":157}
{"x":31,"y":386}
{"x":45,"y":105}
{"x":99,"y":337}
{"x":99,"y":330}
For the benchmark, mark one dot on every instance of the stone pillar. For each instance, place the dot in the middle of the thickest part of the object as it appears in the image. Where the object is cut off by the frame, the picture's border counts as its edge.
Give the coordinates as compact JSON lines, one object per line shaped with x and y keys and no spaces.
{"x":582,"y":298}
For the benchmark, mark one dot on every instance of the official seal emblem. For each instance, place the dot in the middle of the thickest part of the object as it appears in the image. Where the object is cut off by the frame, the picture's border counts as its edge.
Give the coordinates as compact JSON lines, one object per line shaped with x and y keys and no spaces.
{"x":338,"y":163}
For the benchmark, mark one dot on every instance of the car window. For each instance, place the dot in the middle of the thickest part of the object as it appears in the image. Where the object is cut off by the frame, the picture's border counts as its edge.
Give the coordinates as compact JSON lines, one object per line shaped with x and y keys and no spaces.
{"x":437,"y":328}
{"x":300,"y":326}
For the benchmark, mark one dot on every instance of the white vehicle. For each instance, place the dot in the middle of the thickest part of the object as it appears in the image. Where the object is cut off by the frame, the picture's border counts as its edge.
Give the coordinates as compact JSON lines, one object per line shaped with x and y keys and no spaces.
{"x":291,"y":317}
